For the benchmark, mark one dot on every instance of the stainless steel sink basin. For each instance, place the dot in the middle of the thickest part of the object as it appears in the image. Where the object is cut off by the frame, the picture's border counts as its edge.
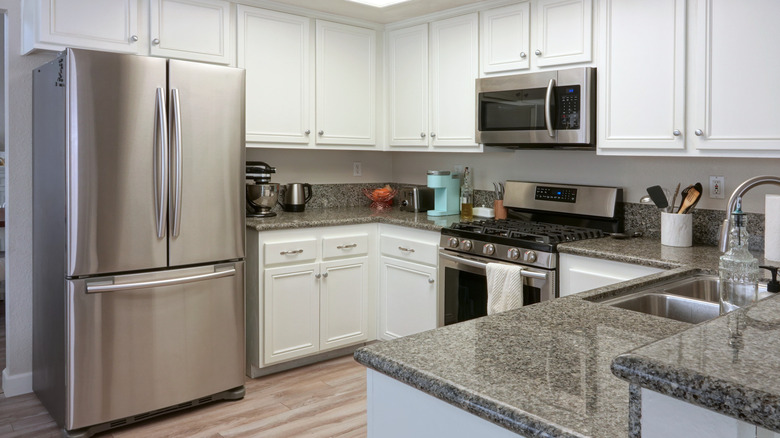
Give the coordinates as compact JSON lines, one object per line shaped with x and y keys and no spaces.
{"x":691,"y":299}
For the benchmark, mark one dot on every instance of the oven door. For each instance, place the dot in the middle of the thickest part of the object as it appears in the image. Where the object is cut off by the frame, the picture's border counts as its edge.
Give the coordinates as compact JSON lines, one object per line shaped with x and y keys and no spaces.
{"x":463,"y":286}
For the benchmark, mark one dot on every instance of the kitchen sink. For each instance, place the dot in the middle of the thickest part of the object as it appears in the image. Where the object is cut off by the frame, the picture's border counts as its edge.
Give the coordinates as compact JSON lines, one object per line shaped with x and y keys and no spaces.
{"x":691,"y":299}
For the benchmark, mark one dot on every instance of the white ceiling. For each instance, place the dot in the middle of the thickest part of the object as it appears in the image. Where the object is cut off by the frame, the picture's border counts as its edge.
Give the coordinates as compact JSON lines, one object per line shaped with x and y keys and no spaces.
{"x":389,"y":14}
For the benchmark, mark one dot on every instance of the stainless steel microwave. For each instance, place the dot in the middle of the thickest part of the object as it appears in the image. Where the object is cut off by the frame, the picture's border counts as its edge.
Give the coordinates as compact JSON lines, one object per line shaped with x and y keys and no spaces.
{"x":549,"y":109}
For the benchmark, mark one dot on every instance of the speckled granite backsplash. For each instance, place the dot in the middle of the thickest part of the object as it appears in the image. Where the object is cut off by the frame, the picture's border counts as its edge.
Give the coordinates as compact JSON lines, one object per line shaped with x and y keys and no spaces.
{"x":642,"y":217}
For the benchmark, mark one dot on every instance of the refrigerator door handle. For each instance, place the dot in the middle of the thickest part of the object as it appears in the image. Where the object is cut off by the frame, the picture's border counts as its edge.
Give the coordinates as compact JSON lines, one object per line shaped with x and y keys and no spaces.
{"x":176,"y":131}
{"x":100,"y":287}
{"x":161,"y":163}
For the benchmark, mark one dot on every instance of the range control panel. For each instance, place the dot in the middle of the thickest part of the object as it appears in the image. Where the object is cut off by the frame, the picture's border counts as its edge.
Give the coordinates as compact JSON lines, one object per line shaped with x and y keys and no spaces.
{"x":557,"y":194}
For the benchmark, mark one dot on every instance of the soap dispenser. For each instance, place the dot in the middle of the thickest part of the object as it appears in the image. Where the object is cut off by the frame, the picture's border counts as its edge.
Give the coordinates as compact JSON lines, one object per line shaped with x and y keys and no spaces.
{"x":738,"y":269}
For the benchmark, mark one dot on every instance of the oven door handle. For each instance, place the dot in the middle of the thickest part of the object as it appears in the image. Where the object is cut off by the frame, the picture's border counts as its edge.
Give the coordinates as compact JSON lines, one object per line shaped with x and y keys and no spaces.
{"x":476,"y":264}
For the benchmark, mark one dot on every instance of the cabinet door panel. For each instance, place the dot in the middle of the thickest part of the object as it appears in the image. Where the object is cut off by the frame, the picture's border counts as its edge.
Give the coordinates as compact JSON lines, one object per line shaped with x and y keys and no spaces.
{"x":274,"y":48}
{"x":642,"y":103}
{"x":564,"y":31}
{"x":728,"y":113}
{"x":343,"y":303}
{"x":104,"y":25}
{"x":346,"y":90}
{"x":408,"y":298}
{"x":407,"y":60}
{"x":198,"y":30}
{"x":454,"y":70}
{"x":291,"y":323}
{"x":505,"y":38}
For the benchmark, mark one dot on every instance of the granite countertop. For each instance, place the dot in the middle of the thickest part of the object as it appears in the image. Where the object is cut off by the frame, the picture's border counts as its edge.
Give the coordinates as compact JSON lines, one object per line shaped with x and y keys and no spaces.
{"x":547,"y":369}
{"x":322,"y":217}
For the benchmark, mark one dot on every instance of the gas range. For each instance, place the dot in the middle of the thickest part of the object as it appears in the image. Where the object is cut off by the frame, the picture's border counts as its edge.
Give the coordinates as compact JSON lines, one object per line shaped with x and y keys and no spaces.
{"x":513,"y":240}
{"x":541,"y":215}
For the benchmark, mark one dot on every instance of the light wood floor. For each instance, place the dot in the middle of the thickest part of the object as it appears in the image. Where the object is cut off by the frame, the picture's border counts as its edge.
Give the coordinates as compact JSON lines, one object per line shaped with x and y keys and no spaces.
{"x":327,"y":399}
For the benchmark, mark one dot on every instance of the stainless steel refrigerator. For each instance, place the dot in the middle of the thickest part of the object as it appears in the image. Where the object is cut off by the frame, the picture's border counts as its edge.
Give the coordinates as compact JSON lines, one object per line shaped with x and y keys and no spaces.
{"x":138,"y":237}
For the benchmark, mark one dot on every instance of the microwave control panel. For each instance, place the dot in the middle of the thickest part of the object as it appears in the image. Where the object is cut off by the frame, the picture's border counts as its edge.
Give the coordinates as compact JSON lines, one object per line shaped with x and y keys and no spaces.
{"x":568,"y":100}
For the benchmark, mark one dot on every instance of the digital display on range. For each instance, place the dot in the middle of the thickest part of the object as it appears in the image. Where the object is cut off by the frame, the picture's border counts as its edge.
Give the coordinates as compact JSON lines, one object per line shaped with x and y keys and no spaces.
{"x":556,"y":194}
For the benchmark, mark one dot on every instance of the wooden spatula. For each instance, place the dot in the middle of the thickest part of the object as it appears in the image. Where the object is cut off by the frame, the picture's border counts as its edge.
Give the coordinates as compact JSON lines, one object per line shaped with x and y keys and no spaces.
{"x":690,"y":200}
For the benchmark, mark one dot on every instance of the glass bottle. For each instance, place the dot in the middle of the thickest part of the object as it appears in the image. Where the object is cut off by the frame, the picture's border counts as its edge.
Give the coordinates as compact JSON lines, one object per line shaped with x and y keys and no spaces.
{"x":466,"y":197}
{"x":737,"y":268}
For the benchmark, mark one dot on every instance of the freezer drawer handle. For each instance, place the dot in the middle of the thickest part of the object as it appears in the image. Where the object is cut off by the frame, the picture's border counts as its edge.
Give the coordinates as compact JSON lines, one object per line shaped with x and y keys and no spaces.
{"x":100,"y":287}
{"x":295,"y":251}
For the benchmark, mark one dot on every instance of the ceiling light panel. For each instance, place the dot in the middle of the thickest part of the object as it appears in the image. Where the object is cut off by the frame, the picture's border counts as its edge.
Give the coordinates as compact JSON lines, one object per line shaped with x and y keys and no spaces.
{"x":379,"y":3}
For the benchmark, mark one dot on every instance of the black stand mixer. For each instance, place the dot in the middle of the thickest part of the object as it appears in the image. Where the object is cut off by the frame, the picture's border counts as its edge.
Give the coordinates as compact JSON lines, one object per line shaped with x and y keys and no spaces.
{"x":261,"y":193}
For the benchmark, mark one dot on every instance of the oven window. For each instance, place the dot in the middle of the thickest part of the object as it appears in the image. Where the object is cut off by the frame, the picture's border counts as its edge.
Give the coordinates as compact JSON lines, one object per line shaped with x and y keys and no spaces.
{"x":515,"y":110}
{"x":465,"y":295}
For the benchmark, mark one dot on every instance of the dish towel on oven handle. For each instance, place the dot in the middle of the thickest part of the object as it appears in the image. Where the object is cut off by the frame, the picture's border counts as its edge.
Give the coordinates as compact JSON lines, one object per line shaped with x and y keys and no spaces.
{"x":504,"y":287}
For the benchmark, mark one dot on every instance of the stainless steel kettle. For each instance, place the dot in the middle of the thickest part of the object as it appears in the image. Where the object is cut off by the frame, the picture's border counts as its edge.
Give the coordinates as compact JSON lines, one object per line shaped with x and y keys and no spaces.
{"x":295,"y":197}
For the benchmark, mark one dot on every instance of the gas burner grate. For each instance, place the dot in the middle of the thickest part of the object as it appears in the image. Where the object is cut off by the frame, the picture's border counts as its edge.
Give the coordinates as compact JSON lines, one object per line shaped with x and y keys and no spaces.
{"x":528,"y":231}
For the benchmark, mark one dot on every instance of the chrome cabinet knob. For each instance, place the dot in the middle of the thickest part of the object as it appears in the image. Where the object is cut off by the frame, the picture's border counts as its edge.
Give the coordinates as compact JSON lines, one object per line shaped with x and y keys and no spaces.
{"x":422,"y":135}
{"x":156,"y":41}
{"x":538,"y":52}
{"x":320,"y":132}
{"x":307,"y":132}
{"x":430,"y":280}
{"x":698,"y":132}
{"x":676,"y":132}
{"x":317,"y":276}
{"x":134,"y":38}
{"x":325,"y":275}
{"x":433,"y":135}
{"x":522,"y":55}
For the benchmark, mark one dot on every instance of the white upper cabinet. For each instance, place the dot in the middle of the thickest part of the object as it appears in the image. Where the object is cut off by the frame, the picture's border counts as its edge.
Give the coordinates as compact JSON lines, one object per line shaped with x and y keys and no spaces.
{"x":346,"y":84}
{"x":505,"y":39}
{"x":274,"y":48}
{"x":641,"y":89}
{"x":110,"y":25}
{"x":454,"y":63}
{"x":197,"y":30}
{"x":407,"y":86}
{"x":563,"y":32}
{"x":431,"y":81}
{"x":735,"y":72}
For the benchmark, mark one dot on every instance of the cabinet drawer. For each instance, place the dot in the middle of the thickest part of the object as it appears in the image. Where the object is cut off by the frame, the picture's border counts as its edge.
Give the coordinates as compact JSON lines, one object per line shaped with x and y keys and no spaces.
{"x":295,"y":251}
{"x":344,"y":246}
{"x":412,"y":250}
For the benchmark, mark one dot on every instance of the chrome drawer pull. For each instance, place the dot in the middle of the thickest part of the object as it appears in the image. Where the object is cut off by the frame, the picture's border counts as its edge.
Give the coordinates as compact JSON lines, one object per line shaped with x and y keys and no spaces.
{"x":406,"y":249}
{"x":351,"y":245}
{"x":295,"y":251}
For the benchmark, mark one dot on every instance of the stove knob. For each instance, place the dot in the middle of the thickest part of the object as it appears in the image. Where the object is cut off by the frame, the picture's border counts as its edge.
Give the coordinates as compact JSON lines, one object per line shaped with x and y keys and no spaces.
{"x":488,"y":249}
{"x":529,"y":256}
{"x":467,"y":245}
{"x":513,"y":253}
{"x":453,"y":242}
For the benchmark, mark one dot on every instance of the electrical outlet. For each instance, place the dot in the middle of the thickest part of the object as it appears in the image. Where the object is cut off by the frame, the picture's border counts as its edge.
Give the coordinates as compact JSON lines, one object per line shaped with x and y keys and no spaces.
{"x":357,"y":168}
{"x":716,"y":187}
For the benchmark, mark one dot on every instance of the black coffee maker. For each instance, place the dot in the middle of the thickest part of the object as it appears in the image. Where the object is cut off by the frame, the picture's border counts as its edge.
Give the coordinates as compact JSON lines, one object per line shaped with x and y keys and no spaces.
{"x":261,"y":193}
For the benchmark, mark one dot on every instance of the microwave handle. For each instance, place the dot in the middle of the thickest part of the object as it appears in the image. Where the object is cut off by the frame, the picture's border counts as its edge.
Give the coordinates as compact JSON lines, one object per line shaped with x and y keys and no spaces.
{"x":548,"y":121}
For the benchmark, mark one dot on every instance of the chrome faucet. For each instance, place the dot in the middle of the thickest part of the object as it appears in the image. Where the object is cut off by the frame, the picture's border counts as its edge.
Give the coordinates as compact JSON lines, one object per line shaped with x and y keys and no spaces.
{"x":743,"y":188}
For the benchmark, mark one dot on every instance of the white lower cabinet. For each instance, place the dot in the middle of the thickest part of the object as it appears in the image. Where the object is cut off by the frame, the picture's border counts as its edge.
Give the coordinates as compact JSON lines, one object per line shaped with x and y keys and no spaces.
{"x":578,"y":273}
{"x":309,"y":291}
{"x":407,"y":297}
{"x":408,"y":285}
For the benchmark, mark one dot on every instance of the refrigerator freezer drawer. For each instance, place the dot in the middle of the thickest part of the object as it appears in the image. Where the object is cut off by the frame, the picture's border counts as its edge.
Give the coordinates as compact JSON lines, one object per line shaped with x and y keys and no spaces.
{"x":142,"y":342}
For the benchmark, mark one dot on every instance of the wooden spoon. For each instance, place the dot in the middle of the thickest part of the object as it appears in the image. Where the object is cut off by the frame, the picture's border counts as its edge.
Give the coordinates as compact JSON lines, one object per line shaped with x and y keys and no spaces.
{"x":683,"y":195}
{"x":689,"y":201}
